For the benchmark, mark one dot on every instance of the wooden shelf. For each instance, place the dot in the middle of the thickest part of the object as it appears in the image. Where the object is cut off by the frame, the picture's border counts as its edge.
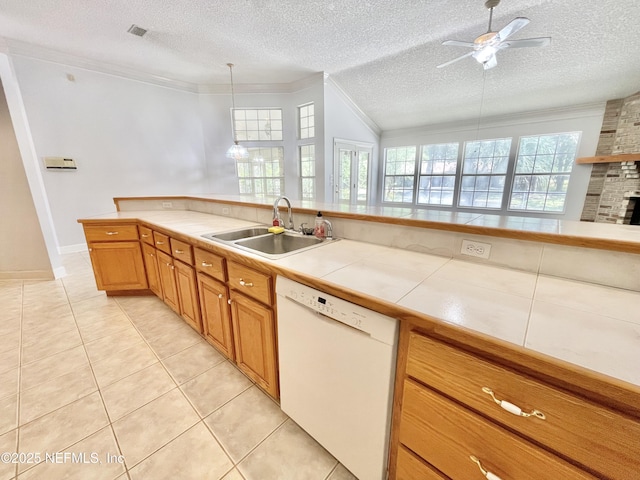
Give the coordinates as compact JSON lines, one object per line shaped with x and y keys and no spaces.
{"x":625,"y":157}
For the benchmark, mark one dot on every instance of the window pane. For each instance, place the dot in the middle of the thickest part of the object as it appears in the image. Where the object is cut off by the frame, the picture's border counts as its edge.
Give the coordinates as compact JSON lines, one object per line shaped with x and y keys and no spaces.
{"x":546,"y":189}
{"x":262,"y":173}
{"x":399,"y":168}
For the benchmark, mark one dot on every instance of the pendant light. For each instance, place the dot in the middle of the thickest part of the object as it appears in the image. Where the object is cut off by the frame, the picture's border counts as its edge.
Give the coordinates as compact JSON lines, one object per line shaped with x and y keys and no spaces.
{"x":236,"y":151}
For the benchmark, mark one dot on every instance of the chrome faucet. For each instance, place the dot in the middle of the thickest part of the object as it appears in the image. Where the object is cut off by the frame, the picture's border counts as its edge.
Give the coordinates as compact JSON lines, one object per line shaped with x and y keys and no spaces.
{"x":276,"y":214}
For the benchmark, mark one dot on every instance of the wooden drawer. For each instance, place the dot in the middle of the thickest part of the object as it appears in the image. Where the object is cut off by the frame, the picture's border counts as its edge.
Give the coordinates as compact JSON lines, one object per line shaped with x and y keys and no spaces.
{"x":182,"y":251}
{"x":250,"y":282}
{"x":210,"y":263}
{"x":446,"y":435}
{"x":162,"y":242}
{"x":146,"y":234}
{"x":411,"y":467}
{"x":599,"y":438}
{"x":110,"y":232}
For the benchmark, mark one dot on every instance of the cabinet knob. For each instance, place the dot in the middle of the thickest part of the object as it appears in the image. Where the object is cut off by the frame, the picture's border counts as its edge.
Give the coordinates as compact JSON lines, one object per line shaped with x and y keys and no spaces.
{"x":112,"y":233}
{"x":488,"y":475}
{"x":220,"y":295}
{"x":205,"y":264}
{"x":511,"y":408}
{"x":179,"y":252}
{"x":229,"y":301}
{"x":245,"y":284}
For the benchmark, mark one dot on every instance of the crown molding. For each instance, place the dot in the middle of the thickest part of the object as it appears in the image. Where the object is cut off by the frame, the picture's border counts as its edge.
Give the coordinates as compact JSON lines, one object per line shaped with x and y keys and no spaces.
{"x":543,"y":115}
{"x":295,"y":86}
{"x":23,"y":49}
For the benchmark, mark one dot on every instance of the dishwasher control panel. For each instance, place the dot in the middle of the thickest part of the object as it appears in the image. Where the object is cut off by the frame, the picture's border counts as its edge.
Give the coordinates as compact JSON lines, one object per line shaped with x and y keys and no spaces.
{"x":377,"y":325}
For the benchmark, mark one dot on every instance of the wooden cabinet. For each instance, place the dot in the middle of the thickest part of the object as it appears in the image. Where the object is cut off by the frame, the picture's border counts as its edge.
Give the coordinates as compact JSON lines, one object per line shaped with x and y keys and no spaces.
{"x":216,"y":318}
{"x":238,"y":316}
{"x":452,"y":405}
{"x":254,"y":341}
{"x":116,"y":257}
{"x":188,"y":294}
{"x":168,"y":281}
{"x":151,"y":265}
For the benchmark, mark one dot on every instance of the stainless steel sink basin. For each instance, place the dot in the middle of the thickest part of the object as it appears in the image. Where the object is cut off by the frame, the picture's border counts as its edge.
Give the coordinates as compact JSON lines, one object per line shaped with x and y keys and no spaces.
{"x":279,"y":244}
{"x":238,"y":234}
{"x":258,"y":240}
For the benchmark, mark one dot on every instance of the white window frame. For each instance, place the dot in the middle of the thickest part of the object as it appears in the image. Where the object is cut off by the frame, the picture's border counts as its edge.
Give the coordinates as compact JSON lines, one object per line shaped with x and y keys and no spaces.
{"x":438,"y":169}
{"x":311,"y":153}
{"x":539,"y":172}
{"x":256,"y":167}
{"x":306,"y":121}
{"x":267,"y":126}
{"x":494,"y":175}
{"x":404,"y":174}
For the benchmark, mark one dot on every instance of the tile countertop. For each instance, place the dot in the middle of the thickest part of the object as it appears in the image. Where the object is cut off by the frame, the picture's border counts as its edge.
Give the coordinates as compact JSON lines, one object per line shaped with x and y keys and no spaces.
{"x":593,"y":326}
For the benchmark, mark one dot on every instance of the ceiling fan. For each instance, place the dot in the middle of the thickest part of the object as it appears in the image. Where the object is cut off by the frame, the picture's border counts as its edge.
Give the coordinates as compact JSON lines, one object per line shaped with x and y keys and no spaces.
{"x":488,"y":44}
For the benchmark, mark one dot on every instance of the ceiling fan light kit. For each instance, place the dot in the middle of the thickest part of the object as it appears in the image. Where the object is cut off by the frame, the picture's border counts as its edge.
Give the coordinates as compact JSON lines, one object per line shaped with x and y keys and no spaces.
{"x":486,"y":46}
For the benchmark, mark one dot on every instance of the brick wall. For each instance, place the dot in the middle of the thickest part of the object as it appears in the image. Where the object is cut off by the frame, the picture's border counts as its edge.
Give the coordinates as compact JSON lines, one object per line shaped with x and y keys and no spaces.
{"x":605,"y":201}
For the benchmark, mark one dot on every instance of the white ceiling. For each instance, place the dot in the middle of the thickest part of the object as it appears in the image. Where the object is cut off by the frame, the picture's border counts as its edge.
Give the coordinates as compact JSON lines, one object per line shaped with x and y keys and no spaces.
{"x":383,"y":53}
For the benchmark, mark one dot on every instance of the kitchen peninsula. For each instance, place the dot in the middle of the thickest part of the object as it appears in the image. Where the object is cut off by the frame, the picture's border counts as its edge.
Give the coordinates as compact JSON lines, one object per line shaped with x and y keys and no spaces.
{"x":530,"y":318}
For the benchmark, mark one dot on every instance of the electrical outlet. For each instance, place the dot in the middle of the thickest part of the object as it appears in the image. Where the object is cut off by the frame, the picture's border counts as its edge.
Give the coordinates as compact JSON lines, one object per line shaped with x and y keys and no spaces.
{"x":167,"y":204}
{"x":225,"y":210}
{"x":475,"y":249}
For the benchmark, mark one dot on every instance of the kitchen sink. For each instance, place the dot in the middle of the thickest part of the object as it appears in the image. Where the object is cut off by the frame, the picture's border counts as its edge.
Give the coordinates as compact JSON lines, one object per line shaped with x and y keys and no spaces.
{"x":279,"y":244}
{"x":258,"y":240}
{"x":238,"y":234}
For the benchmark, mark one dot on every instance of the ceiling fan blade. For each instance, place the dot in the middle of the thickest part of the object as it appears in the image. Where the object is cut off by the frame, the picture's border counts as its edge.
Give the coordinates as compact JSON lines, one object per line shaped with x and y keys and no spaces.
{"x":512,"y":27}
{"x":455,"y":60}
{"x":457,"y":43}
{"x":526,"y":42}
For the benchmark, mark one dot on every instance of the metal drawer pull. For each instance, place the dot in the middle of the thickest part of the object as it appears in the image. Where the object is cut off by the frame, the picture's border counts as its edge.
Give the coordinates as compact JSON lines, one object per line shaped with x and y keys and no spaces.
{"x":179,"y":252}
{"x":144,"y":235}
{"x":511,"y":408}
{"x":488,"y":475}
{"x":205,"y":264}
{"x":245,"y":284}
{"x":159,"y":243}
{"x":112,"y":233}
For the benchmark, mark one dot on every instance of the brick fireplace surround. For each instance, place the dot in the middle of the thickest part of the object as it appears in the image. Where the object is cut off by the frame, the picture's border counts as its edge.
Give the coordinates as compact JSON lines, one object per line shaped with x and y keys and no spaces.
{"x":614,"y":188}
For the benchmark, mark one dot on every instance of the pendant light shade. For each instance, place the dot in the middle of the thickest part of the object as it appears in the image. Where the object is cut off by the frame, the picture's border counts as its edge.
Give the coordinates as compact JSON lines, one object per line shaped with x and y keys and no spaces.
{"x":236,"y":151}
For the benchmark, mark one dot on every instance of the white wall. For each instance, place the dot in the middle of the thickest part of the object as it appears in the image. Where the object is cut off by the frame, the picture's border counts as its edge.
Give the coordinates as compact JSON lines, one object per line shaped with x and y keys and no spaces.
{"x":127,"y":138}
{"x":23,"y":252}
{"x":344,"y":121}
{"x":218,"y":137}
{"x":586,"y":119}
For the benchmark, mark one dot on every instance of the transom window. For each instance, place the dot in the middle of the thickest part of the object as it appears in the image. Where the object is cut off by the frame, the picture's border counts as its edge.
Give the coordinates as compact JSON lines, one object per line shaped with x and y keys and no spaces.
{"x":437,"y":180}
{"x":543,"y":167}
{"x":258,"y":124}
{"x":262,"y":174}
{"x":306,"y":121}
{"x":399,"y":174}
{"x":484,"y":171}
{"x":308,"y":171}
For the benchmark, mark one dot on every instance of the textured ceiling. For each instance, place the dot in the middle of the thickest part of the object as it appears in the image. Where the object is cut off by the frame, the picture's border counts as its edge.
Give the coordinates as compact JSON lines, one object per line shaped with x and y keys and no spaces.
{"x":383,"y":53}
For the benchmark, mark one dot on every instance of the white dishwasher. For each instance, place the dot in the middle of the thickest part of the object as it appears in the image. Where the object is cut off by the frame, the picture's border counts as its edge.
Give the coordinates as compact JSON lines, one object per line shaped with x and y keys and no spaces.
{"x":337,"y":369}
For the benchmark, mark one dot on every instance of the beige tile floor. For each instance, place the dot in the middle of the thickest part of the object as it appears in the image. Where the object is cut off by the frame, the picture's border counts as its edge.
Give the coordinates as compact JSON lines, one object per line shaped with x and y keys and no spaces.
{"x":97,"y":387}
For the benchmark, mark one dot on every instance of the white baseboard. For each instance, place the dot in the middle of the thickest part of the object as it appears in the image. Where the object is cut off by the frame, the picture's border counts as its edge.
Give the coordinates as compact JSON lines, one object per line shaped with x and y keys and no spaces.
{"x":78,"y":247}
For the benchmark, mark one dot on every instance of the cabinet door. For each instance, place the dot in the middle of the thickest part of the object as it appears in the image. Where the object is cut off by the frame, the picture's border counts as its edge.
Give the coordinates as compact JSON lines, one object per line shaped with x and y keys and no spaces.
{"x":151,"y":264}
{"x":188,"y":294}
{"x":168,"y":281}
{"x":118,"y":265}
{"x":254,"y":341}
{"x":216,"y":320}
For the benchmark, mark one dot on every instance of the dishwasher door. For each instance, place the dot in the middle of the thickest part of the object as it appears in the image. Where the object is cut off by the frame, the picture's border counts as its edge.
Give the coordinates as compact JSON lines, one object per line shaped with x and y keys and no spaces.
{"x":336,"y":381}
